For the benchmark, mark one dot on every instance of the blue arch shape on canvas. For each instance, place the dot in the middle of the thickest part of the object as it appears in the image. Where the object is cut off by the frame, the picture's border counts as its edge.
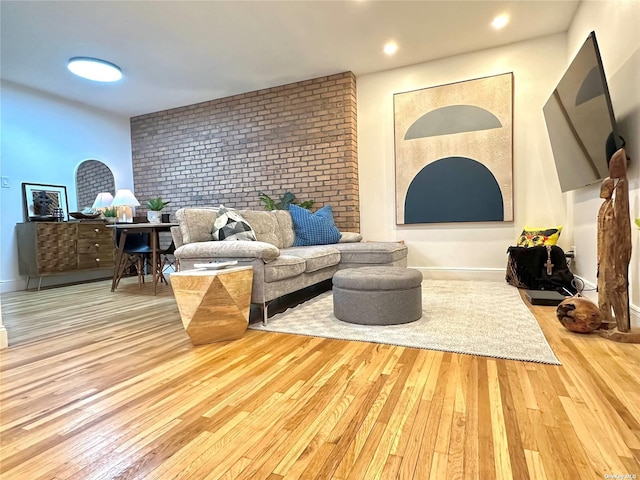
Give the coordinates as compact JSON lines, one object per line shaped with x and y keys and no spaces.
{"x":453,"y":189}
{"x":452,"y":119}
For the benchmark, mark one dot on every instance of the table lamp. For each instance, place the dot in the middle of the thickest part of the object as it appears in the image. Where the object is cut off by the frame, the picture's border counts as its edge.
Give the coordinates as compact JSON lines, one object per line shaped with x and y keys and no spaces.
{"x":126,"y":202}
{"x":102,"y":201}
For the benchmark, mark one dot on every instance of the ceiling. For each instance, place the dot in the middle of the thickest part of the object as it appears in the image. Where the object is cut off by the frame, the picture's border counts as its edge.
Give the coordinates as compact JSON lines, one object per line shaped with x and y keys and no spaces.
{"x":176,"y":53}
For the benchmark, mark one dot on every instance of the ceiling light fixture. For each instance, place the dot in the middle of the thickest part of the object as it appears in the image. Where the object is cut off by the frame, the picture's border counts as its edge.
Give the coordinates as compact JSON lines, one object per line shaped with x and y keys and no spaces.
{"x":390,"y":48}
{"x":94,"y":69}
{"x":500,"y":21}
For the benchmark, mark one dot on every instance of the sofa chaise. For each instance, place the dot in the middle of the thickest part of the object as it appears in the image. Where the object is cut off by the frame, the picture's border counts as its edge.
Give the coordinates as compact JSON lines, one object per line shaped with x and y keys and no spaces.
{"x":279,"y":268}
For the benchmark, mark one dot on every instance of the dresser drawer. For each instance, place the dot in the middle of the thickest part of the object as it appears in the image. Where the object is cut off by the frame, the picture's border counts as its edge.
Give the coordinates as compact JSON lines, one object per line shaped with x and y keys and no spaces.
{"x":94,"y":231}
{"x":95,"y":245}
{"x":98,"y":260}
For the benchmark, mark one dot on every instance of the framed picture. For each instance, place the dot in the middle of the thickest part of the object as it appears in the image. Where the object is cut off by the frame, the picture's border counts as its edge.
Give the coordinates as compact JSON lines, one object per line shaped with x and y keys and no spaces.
{"x":454,"y":152}
{"x":41,"y":200}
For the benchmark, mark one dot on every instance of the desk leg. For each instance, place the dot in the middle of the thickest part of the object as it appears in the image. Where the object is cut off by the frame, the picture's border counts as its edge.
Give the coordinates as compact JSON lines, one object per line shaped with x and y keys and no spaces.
{"x":117,"y":271}
{"x":154,"y":258}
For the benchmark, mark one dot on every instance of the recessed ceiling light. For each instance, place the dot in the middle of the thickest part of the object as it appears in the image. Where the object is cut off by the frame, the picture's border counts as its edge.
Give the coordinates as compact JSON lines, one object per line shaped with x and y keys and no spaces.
{"x":390,"y":48}
{"x":94,"y":69}
{"x":500,"y":21}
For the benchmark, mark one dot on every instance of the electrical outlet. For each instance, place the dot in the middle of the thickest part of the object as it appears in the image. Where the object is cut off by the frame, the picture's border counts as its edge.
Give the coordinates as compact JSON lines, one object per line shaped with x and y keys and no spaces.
{"x":573,"y":249}
{"x":5,"y":182}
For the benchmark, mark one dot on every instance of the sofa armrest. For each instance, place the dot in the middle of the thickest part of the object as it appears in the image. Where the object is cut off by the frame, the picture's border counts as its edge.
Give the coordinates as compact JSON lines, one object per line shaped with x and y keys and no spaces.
{"x":229,"y":249}
{"x":350,"y":237}
{"x":176,"y":236}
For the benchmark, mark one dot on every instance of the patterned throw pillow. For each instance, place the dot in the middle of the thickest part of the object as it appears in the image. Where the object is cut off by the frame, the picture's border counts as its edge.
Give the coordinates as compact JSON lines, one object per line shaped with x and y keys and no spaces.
{"x":533,"y":237}
{"x":314,"y":228}
{"x":230,"y":225}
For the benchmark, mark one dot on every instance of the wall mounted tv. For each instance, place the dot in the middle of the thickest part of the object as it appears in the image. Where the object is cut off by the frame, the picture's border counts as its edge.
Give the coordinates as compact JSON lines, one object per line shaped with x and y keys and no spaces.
{"x":580,"y":121}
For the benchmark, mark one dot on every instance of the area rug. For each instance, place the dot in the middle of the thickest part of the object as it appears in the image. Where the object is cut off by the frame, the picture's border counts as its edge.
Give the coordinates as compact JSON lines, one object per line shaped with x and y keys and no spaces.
{"x":478,"y":318}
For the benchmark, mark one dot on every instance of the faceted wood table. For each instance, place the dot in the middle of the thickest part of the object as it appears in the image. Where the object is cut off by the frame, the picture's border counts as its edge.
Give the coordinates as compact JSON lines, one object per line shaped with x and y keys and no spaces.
{"x":214,"y":304}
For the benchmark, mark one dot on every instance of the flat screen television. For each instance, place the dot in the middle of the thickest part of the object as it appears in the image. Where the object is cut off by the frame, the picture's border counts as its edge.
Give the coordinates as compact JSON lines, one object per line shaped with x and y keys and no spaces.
{"x":580,"y":121}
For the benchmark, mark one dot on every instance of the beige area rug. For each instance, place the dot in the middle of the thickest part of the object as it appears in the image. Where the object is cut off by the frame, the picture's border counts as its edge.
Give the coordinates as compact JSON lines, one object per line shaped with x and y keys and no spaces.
{"x":477,"y":318}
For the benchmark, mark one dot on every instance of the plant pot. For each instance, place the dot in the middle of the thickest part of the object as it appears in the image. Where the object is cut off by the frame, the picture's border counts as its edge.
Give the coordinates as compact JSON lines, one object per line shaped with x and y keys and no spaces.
{"x":154,"y":216}
{"x":111,"y":219}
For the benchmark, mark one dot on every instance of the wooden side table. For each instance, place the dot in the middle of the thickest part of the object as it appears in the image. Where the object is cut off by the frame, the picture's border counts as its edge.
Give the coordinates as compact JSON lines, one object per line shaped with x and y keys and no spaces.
{"x":214,"y":304}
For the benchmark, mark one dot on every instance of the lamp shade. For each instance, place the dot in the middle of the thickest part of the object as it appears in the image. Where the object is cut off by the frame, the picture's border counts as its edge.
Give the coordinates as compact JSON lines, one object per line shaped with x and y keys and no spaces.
{"x":125,"y":197}
{"x":103,"y":200}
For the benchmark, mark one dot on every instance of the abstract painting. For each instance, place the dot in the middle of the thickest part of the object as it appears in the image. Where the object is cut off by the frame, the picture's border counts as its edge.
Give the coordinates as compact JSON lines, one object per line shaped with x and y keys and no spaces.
{"x":454,"y":152}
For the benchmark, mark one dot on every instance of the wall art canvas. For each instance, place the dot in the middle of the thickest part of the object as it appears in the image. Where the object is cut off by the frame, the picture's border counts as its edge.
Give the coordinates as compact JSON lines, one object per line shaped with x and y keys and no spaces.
{"x":41,"y":200}
{"x":454,"y":152}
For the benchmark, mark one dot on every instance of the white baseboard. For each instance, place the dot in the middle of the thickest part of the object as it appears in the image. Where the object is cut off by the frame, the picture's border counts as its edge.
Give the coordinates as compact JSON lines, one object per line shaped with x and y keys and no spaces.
{"x":12,"y":285}
{"x":62,"y":279}
{"x":591,"y":294}
{"x":440,"y":273}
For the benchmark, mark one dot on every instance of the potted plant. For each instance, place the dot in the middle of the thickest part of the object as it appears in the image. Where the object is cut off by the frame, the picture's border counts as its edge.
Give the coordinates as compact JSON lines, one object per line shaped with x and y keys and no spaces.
{"x":155,"y":206}
{"x":285,"y":201}
{"x":110,"y":214}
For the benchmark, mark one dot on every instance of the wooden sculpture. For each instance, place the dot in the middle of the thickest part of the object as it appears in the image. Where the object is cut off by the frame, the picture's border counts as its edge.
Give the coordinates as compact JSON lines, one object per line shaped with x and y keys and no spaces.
{"x":614,"y":244}
{"x":605,"y":224}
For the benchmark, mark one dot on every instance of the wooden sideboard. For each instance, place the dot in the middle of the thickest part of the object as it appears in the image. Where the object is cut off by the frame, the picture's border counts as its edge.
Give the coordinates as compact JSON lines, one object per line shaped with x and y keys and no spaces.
{"x":54,"y":248}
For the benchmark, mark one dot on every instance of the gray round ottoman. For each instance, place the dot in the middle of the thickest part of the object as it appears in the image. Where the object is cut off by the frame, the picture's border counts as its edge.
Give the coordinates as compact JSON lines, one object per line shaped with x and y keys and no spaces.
{"x":377,"y":295}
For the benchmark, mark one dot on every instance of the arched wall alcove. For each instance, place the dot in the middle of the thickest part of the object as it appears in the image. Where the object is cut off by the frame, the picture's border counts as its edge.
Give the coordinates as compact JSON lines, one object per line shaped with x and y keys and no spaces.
{"x":93,"y":177}
{"x":454,"y":189}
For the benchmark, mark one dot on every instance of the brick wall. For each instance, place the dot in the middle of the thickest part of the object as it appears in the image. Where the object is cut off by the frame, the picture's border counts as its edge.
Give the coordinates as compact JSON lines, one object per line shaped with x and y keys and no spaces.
{"x":93,"y":177}
{"x":299,"y":137}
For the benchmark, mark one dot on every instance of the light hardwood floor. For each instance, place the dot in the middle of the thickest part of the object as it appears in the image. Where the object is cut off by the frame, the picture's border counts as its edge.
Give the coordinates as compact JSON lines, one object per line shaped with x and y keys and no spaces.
{"x":101,"y":385}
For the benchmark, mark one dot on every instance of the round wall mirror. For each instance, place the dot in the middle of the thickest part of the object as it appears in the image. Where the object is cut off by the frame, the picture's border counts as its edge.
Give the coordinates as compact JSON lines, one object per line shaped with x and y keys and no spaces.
{"x":93,"y":177}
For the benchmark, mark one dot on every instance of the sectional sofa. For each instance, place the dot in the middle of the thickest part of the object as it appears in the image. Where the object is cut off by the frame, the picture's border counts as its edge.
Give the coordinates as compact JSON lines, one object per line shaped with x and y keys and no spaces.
{"x":279,"y":268}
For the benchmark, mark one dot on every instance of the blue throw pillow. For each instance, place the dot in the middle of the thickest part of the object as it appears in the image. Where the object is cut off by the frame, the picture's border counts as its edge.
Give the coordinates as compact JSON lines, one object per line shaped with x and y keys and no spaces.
{"x":314,"y":228}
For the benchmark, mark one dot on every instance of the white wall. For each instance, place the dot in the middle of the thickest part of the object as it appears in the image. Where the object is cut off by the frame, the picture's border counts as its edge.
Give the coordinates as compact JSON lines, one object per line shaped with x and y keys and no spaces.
{"x":44,"y":139}
{"x":616,"y":25}
{"x":469,"y":250}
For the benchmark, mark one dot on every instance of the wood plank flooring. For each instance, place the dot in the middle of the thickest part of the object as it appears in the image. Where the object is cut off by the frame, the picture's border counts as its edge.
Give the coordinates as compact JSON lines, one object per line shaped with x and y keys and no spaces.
{"x":101,"y":385}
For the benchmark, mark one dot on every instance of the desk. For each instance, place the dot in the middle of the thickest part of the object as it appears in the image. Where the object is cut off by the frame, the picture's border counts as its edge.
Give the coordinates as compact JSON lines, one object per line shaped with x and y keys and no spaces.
{"x":153,"y":229}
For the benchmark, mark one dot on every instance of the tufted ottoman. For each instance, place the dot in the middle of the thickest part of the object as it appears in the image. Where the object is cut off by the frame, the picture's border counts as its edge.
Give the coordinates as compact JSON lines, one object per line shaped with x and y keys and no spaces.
{"x":377,"y":295}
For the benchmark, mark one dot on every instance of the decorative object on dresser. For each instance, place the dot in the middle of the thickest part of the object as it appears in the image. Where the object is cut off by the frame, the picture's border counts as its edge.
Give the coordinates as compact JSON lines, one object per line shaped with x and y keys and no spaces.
{"x":54,"y":248}
{"x":84,"y":216}
{"x":102,"y":202}
{"x":110,"y":214}
{"x":126,"y":202}
{"x":214,"y":304}
{"x":155,"y":206}
{"x":40,"y":201}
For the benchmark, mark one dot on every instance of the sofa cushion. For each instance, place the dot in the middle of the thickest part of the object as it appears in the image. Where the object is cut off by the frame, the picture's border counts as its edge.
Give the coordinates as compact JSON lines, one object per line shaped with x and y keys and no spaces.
{"x":286,"y":231}
{"x":371,"y":252}
{"x":348,"y":237}
{"x":213,"y":250}
{"x":230,"y":225}
{"x":314,"y":228}
{"x":265,"y":225}
{"x":316,"y":258}
{"x":196,"y":223}
{"x":283,"y":267}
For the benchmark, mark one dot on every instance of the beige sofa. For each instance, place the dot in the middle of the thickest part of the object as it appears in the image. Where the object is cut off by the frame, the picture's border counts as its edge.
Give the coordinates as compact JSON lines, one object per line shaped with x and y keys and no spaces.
{"x":278,"y":267}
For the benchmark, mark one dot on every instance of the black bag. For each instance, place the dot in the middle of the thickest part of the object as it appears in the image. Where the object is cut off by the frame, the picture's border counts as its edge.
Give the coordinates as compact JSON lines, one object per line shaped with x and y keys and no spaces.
{"x":527,"y":268}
